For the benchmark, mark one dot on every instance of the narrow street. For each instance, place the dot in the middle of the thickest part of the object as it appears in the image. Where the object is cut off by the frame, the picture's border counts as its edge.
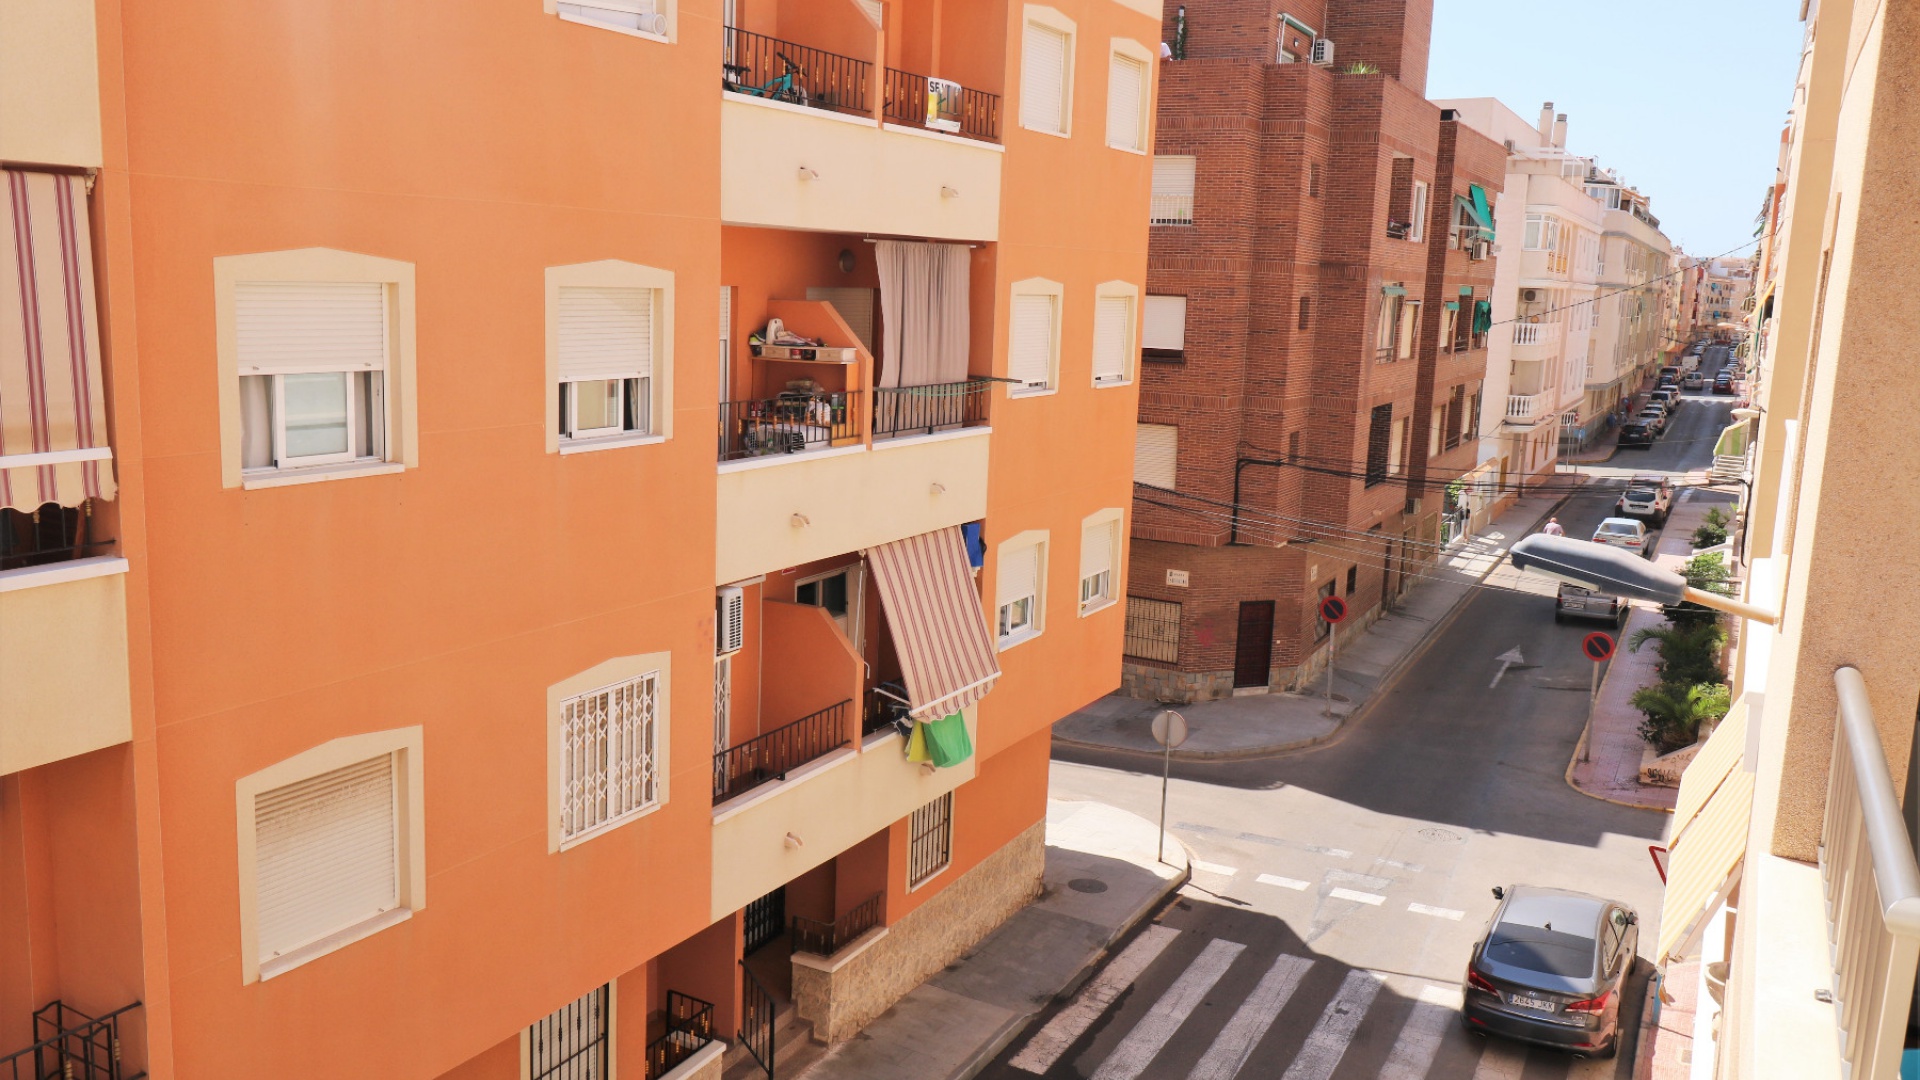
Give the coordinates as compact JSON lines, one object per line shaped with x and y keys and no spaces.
{"x":1338,"y":892}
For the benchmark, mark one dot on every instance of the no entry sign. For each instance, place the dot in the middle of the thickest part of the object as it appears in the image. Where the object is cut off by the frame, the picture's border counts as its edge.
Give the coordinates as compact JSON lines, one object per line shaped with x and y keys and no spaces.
{"x":1597,"y":646}
{"x":1333,"y":609}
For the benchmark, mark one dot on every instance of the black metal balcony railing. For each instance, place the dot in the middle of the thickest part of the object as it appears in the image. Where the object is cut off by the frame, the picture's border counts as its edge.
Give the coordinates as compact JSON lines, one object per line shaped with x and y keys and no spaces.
{"x":771,"y":756}
{"x":825,"y":939}
{"x":904,"y":101}
{"x":887,"y":706}
{"x":760,"y":66}
{"x":70,"y":1044}
{"x":786,"y":424}
{"x":689,"y":1027}
{"x":52,"y":534}
{"x":923,"y":410}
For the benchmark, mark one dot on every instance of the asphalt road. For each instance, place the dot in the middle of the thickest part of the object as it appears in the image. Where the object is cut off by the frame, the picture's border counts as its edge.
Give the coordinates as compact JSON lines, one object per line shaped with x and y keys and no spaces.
{"x":1338,"y":891}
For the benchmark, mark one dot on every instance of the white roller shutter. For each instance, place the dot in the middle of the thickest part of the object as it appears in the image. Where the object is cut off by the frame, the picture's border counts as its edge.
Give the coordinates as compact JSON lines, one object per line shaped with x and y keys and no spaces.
{"x":854,"y":306}
{"x":1126,"y":91}
{"x":326,"y":853}
{"x":1173,"y":188}
{"x":1043,"y":78}
{"x":1166,"y":323}
{"x":1030,"y":348}
{"x":1112,"y":327}
{"x":294,"y":326}
{"x":1096,"y":549}
{"x":605,"y":333}
{"x":1019,"y":575}
{"x":1156,"y":451}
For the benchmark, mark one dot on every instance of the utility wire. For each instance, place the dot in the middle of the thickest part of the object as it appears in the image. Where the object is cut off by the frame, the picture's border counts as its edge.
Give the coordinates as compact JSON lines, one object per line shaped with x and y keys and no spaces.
{"x":1650,"y":282}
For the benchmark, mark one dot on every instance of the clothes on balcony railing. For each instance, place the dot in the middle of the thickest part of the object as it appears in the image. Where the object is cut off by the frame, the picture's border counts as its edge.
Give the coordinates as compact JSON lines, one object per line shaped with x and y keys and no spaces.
{"x":1707,"y":839}
{"x":53,"y":406}
{"x":939,"y":628}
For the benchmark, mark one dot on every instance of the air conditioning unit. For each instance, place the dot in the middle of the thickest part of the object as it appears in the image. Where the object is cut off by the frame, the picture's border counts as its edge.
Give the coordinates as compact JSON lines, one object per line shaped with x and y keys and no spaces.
{"x":730,"y":620}
{"x":1322,"y":52}
{"x":1528,"y":296}
{"x":1477,"y":250}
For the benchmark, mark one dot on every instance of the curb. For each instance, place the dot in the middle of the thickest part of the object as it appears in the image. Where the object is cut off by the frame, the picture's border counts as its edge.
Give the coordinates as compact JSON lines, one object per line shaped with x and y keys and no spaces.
{"x":1649,"y":1023}
{"x":1581,"y":746}
{"x":1204,"y":756}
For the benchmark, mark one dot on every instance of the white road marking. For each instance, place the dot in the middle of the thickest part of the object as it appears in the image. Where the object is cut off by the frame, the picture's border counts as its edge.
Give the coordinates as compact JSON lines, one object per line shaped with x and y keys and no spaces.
{"x":1327,"y":1043}
{"x":1501,"y":1060}
{"x":1250,"y":1022}
{"x":1413,"y":1052}
{"x":1283,"y":882}
{"x":1437,"y":912}
{"x":1338,"y":853}
{"x":1506,"y":660}
{"x":1150,"y":1035}
{"x":1214,"y":868}
{"x":1052,"y":1041}
{"x":1358,"y":897}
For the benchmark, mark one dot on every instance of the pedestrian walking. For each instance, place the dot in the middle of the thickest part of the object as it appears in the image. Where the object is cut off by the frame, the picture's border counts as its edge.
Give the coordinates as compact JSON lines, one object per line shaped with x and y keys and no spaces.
{"x":1553,"y":528}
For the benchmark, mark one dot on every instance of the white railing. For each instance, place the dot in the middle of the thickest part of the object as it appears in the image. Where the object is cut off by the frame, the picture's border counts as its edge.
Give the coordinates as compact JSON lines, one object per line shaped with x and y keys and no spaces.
{"x":1873,"y":891}
{"x":1170,"y":210}
{"x":1536,"y":333}
{"x":1527,"y":408}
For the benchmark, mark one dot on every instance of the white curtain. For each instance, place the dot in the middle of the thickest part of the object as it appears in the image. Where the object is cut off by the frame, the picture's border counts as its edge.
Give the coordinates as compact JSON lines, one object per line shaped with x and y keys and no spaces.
{"x":923,"y":306}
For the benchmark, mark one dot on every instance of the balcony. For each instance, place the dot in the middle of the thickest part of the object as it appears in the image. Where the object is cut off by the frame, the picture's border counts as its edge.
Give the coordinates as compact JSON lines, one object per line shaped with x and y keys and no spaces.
{"x":955,"y":110}
{"x":1536,"y":341}
{"x":63,"y":633}
{"x":49,"y":84}
{"x":1526,"y":410}
{"x":739,"y":769}
{"x":827,"y":938}
{"x":1170,"y":209}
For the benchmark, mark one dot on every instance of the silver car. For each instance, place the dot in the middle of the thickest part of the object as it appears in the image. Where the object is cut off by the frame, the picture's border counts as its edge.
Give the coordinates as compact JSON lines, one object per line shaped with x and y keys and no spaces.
{"x":1552,"y":969}
{"x":1622,"y":532}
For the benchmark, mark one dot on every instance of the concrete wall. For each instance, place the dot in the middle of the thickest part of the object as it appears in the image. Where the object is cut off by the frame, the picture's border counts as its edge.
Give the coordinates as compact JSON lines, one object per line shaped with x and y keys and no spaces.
{"x":49,"y":83}
{"x":63,"y":662}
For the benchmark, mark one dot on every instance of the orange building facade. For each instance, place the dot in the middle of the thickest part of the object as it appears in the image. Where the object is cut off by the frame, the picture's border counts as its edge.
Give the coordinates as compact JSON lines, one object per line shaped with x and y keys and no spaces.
{"x":518,"y":555}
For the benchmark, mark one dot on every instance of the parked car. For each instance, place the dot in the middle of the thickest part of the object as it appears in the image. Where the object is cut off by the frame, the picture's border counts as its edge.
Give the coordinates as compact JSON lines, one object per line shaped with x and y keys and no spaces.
{"x":1669,"y":370}
{"x":1637,"y":434}
{"x":1723,"y":383}
{"x":1575,"y":602}
{"x":1693,"y":381}
{"x":1654,"y":417}
{"x":1668,"y":397}
{"x":1552,"y":969}
{"x":1622,"y":532}
{"x":1648,"y":502}
{"x":1666,"y":381}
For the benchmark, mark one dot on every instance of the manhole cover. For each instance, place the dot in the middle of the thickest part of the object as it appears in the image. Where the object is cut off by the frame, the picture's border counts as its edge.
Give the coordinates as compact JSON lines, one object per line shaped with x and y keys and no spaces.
{"x":1087,"y":884}
{"x":1440,"y":836}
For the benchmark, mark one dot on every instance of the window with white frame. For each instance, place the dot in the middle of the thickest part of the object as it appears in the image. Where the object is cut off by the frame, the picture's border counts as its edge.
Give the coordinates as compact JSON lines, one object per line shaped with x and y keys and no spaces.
{"x":1021,"y":587}
{"x":1099,"y":551}
{"x":642,"y":18}
{"x":1417,"y":230}
{"x":1033,"y":347}
{"x":929,"y":840}
{"x":313,"y":361}
{"x":1164,"y":333}
{"x":1409,"y":329}
{"x":572,"y":1042}
{"x":606,"y":361}
{"x":1113,"y":321}
{"x":1172,"y":200}
{"x":1127,"y":96}
{"x":1046,"y":71}
{"x":609,"y":770}
{"x":1385,"y":323}
{"x":1156,"y":453}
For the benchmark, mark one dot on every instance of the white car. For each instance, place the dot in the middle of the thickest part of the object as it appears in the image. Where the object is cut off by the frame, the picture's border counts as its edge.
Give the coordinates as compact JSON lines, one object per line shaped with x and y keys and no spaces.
{"x":1622,"y":532}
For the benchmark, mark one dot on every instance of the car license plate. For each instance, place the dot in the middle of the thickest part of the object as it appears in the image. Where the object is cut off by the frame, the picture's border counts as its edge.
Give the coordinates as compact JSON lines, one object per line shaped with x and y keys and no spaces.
{"x":1533,"y":1003}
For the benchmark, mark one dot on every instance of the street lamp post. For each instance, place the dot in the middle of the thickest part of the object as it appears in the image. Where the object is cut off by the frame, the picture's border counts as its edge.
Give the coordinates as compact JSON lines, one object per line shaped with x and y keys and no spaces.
{"x":1611,"y":571}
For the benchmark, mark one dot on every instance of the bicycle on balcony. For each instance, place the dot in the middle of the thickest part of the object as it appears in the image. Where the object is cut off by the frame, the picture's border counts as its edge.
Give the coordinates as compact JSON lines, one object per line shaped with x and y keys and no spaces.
{"x":783,"y":87}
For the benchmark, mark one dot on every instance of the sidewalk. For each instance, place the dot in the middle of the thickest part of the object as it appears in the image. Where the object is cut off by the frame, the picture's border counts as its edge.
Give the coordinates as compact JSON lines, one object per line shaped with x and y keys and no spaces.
{"x":1242,"y":727}
{"x":1102,"y":878}
{"x":1616,"y":749}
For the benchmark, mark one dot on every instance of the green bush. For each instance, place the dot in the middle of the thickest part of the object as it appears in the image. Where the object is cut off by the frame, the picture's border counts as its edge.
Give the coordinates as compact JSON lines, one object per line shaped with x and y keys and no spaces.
{"x":1713,"y":531}
{"x":1688,"y":654}
{"x":1675,"y":711}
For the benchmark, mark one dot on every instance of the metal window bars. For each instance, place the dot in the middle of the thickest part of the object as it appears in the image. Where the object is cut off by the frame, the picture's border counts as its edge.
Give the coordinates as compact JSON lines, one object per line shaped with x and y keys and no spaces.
{"x":930,"y":843}
{"x":755,"y":65}
{"x":826,"y":938}
{"x":570,"y":1043}
{"x":758,"y":761}
{"x":608,"y":767}
{"x":1153,"y":629}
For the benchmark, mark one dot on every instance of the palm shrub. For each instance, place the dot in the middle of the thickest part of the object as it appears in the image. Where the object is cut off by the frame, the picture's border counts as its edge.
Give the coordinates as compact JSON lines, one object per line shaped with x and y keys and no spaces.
{"x":1713,"y":531}
{"x":1688,"y":654}
{"x":1674,"y":712}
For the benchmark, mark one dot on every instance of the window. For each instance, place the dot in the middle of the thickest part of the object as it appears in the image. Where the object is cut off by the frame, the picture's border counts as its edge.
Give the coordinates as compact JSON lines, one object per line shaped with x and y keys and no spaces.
{"x":609,"y":341}
{"x":1172,"y":201}
{"x":1113,"y":321}
{"x":1456,"y":416}
{"x":722,"y":703}
{"x":1099,"y":552}
{"x":1353,"y":579}
{"x":1409,"y":329}
{"x":571,"y":1043}
{"x":929,"y":840}
{"x":1033,"y":349}
{"x":1306,"y":311}
{"x":842,"y":593}
{"x":1449,"y":318}
{"x":607,"y":768}
{"x":1417,"y":230}
{"x":330,"y":849}
{"x":1397,"y":448}
{"x":1388,"y":320}
{"x":1473,"y":413}
{"x":1127,"y":97}
{"x":1046,"y":72}
{"x":1379,"y":443}
{"x":1021,"y":587}
{"x":1156,"y":452}
{"x":652,"y":19}
{"x":1434,"y":433}
{"x":1153,"y":629}
{"x":1164,"y":335}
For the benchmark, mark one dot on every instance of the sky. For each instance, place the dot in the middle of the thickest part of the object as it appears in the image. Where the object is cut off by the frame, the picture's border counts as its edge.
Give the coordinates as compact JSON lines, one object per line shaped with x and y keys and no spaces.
{"x":1683,"y":99}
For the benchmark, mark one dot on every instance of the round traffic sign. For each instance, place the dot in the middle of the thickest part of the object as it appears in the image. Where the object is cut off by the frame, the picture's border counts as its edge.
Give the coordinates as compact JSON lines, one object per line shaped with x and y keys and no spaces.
{"x":1333,"y":609}
{"x":1597,"y":646}
{"x":1169,"y":728}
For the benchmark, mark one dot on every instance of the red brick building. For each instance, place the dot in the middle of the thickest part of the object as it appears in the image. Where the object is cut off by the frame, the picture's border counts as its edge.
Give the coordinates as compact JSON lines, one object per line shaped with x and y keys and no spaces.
{"x":1315,"y":261}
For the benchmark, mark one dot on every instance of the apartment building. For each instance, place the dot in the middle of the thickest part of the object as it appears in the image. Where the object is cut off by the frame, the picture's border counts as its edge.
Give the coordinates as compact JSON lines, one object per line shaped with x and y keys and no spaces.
{"x":643,"y":474}
{"x":1315,"y":339}
{"x":1725,"y":285}
{"x":1793,"y":883}
{"x":1630,"y":341}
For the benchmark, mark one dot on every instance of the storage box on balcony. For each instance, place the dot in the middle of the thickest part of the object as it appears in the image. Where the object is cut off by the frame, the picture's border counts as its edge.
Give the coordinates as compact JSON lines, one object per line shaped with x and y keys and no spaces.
{"x":827,"y":354}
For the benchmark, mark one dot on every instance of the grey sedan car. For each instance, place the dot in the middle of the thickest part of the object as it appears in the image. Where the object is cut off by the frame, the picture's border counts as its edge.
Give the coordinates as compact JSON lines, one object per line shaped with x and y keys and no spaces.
{"x":1551,"y":969}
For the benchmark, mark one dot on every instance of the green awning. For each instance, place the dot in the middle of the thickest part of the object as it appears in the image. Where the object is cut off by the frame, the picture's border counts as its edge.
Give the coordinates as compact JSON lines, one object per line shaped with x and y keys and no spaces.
{"x":1733,"y":440}
{"x":1453,"y":305}
{"x":1394,"y":290}
{"x":1482,"y":316}
{"x":1466,"y":290}
{"x":1481,"y":211}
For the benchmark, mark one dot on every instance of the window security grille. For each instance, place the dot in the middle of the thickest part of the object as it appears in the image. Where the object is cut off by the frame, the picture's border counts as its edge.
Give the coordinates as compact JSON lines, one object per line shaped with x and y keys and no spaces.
{"x":1153,"y":629}
{"x":609,"y":767}
{"x":571,"y":1042}
{"x":930,"y":848}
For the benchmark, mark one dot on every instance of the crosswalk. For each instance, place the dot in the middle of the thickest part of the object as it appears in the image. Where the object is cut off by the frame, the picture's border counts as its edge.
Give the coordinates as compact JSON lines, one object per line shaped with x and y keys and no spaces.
{"x":1184,"y":1003}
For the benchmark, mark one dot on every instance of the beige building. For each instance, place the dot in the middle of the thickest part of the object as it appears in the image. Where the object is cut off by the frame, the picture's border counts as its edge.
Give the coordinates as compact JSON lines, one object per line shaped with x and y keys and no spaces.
{"x":1793,"y":876}
{"x":1635,"y":291}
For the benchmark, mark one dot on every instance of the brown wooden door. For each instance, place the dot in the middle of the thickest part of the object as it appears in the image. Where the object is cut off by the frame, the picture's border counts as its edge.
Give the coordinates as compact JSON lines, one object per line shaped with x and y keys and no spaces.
{"x":1253,"y":648}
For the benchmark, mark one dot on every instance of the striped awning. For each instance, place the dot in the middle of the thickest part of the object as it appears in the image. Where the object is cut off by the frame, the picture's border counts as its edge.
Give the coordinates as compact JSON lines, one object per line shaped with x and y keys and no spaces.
{"x":53,"y":410}
{"x":1708,"y":841}
{"x":938,"y":624}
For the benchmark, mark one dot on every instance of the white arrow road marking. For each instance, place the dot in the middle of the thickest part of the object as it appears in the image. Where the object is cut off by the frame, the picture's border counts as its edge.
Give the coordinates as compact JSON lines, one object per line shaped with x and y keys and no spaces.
{"x":1150,"y":1035}
{"x":1501,"y":1060}
{"x":1507,"y":659}
{"x":1437,"y":912}
{"x":1250,"y":1022}
{"x":1358,"y":897}
{"x":1050,"y":1042}
{"x":1283,"y":882}
{"x":1413,"y":1052}
{"x":1327,"y":1043}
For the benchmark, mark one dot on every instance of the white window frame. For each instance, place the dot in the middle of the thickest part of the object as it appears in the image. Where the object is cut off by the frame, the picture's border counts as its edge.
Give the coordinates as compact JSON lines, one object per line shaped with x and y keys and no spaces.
{"x":1131,"y":51}
{"x":1058,"y":292}
{"x":1159,"y":212}
{"x":405,"y":746}
{"x":1035,"y":616}
{"x":667,"y":8}
{"x":1113,"y":520}
{"x":1386,"y":324}
{"x":1130,"y":338}
{"x":1417,"y":228}
{"x":603,"y":677}
{"x":1408,"y":332}
{"x":657,"y":426}
{"x":1051,"y":19}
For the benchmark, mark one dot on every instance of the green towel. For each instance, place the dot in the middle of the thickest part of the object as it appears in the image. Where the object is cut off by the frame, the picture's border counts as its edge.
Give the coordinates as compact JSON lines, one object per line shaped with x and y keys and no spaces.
{"x":947,"y":741}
